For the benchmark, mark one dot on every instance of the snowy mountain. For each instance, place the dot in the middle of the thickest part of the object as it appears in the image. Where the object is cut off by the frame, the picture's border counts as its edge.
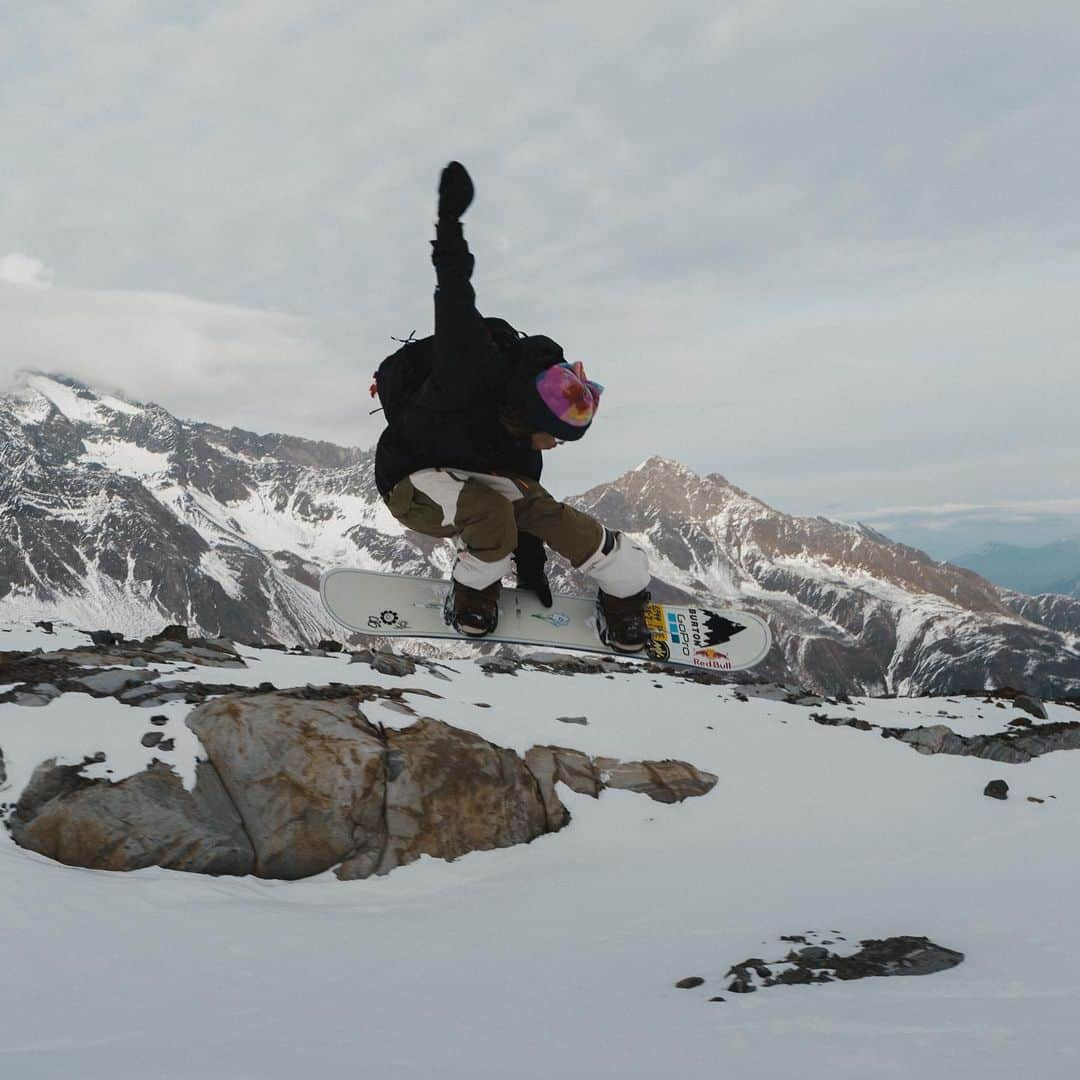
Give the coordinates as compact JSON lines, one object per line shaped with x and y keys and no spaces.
{"x":850,"y":608}
{"x":118,"y":514}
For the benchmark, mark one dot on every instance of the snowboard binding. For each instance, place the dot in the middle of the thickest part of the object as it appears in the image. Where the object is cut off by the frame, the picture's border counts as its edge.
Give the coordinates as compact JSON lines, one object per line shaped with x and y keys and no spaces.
{"x":472,"y":612}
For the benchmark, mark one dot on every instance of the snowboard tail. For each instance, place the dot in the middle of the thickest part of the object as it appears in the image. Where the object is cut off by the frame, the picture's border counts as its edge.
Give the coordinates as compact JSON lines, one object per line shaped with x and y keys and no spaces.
{"x":401,"y":605}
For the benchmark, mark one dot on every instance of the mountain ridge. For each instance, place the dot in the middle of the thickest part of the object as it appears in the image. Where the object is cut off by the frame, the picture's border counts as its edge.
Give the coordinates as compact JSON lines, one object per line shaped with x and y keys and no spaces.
{"x":117,"y":513}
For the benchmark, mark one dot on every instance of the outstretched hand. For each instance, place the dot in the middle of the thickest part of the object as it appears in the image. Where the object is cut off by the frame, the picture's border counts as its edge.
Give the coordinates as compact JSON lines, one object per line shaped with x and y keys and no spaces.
{"x":455,"y":191}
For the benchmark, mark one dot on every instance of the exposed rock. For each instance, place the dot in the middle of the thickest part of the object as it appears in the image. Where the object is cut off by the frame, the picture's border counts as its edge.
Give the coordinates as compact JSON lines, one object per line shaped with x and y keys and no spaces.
{"x":997,"y":789}
{"x":572,"y":719}
{"x":888,"y":956}
{"x":1021,"y":743}
{"x":690,"y":982}
{"x":108,"y":683}
{"x":45,"y":625}
{"x":449,"y":792}
{"x":308,"y":782}
{"x":389,"y":663}
{"x":841,"y":721}
{"x":551,"y":764}
{"x":172,"y":632}
{"x":1031,"y":705}
{"x":105,"y":637}
{"x":311,"y":784}
{"x":664,"y":781}
{"x":42,"y":694}
{"x":3,"y":768}
{"x":82,"y":822}
{"x":895,"y":956}
{"x":497,"y":665}
{"x":328,"y":645}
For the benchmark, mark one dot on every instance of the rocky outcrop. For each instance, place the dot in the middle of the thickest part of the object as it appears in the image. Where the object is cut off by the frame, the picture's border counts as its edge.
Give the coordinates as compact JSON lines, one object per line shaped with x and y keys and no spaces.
{"x":904,"y":955}
{"x":663,"y":781}
{"x":1059,"y":612}
{"x":449,"y":792}
{"x":307,"y":778}
{"x":299,"y":782}
{"x":147,"y":819}
{"x":1023,"y":742}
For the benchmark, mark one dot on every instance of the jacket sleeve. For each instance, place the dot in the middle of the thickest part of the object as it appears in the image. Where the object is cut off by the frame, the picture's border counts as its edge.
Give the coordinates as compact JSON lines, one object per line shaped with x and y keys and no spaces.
{"x":462,"y":341}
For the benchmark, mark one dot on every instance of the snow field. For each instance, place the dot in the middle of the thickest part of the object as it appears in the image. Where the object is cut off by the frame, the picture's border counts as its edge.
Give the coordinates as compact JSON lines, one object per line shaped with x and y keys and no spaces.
{"x":558,"y":958}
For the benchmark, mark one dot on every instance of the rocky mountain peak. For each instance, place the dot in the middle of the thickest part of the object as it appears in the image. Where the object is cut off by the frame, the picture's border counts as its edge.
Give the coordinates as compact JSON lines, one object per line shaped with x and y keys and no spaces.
{"x":662,"y":488}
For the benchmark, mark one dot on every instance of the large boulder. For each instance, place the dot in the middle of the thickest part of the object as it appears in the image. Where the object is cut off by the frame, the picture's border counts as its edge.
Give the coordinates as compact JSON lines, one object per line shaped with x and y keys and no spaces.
{"x":307,"y":777}
{"x":449,"y":792}
{"x":147,"y":819}
{"x":317,"y":786}
{"x":299,"y":782}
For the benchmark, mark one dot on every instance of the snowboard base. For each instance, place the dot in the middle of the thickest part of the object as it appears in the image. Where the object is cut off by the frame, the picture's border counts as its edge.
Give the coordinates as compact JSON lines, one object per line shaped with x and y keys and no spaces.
{"x":400,"y":605}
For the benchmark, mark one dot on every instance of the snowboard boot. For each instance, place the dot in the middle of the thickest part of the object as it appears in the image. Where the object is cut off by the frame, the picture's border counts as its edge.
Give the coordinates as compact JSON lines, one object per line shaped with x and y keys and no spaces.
{"x":473,"y":611}
{"x":624,"y":620}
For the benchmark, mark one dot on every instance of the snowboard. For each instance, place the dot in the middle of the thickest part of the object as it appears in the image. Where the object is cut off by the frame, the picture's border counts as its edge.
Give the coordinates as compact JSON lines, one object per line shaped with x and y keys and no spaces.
{"x":401,"y":605}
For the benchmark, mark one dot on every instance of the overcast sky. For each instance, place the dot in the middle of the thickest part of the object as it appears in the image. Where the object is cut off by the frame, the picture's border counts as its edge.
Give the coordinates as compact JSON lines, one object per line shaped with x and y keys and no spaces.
{"x":827,"y":249}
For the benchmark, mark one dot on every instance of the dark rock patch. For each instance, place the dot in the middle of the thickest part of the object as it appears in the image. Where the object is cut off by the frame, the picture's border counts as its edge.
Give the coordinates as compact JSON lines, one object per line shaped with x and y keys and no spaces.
{"x":1022,"y":742}
{"x":1031,"y":705}
{"x":904,"y":955}
{"x":997,"y":789}
{"x":690,"y":982}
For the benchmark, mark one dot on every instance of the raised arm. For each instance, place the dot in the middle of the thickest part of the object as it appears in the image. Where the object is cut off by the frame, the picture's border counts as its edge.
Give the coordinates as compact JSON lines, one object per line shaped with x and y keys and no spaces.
{"x":459,"y":329}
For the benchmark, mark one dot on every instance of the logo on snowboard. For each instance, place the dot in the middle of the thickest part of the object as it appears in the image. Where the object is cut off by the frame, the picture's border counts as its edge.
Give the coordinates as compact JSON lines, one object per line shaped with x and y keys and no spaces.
{"x":694,"y":632}
{"x":386,"y":618}
{"x":556,"y":618}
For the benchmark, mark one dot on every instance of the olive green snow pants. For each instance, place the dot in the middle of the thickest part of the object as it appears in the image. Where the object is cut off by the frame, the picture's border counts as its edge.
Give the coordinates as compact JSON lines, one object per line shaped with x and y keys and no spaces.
{"x":484,"y":512}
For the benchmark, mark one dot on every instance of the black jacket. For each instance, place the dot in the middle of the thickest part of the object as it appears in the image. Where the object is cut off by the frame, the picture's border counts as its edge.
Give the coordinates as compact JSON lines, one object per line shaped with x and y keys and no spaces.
{"x":453,"y":421}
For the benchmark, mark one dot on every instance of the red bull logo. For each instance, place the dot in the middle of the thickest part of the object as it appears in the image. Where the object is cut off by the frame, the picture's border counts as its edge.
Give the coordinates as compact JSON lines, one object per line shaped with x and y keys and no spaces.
{"x":711,"y":658}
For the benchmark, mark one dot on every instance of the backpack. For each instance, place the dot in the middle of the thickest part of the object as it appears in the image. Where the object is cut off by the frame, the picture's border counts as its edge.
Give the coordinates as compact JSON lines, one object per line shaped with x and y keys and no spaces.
{"x":398,"y":379}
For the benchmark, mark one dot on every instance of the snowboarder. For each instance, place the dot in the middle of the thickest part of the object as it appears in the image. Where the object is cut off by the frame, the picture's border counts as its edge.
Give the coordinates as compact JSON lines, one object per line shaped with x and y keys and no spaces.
{"x":462,"y":459}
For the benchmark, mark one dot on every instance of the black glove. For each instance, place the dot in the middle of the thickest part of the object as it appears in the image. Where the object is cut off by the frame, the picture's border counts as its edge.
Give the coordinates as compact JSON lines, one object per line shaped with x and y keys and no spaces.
{"x":530,"y":558}
{"x":455,"y":191}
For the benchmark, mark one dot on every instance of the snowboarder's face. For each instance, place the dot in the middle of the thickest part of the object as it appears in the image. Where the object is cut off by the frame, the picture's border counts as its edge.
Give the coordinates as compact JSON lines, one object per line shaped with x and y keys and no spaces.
{"x":541,"y":440}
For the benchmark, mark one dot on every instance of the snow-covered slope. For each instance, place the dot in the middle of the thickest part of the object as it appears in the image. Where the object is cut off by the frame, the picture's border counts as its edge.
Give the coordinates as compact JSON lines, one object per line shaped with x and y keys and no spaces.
{"x":559,"y":958}
{"x":118,"y":514}
{"x":115,"y":514}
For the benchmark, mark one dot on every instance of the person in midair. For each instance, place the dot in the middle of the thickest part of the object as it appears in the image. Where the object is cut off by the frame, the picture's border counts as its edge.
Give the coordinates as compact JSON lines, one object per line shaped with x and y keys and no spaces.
{"x":464,"y":457}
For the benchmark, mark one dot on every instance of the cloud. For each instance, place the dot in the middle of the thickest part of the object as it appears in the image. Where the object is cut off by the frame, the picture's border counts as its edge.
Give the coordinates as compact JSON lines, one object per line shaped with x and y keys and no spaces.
{"x":826,"y":249}
{"x":18,"y":269}
{"x":224,"y":364}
